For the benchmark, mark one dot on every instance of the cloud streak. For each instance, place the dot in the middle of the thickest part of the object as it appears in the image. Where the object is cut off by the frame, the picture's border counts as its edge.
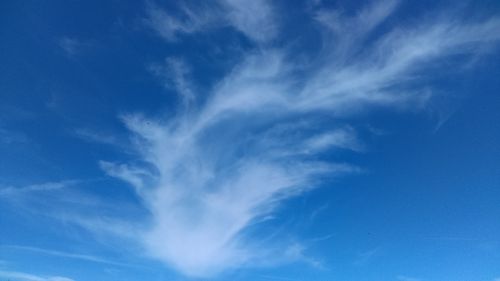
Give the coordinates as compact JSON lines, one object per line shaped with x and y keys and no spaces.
{"x":43,"y":187}
{"x":22,"y":276}
{"x":254,"y":19}
{"x":209,"y":175}
{"x":406,"y":278}
{"x":83,"y":257}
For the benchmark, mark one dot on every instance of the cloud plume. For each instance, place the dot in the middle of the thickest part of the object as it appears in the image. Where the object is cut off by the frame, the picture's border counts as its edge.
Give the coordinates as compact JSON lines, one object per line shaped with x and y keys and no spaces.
{"x":210,"y":174}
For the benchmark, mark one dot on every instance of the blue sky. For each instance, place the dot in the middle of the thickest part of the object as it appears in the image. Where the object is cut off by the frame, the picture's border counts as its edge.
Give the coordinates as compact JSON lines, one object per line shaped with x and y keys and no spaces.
{"x":250,"y":140}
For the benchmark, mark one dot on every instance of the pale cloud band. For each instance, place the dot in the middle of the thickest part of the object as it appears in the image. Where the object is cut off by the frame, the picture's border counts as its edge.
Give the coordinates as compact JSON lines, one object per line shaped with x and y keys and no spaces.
{"x":22,"y":276}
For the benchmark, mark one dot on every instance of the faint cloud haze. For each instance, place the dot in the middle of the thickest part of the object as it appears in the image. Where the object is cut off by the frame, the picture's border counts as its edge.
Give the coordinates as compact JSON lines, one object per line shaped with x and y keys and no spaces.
{"x":21,"y":276}
{"x":406,"y":278}
{"x":74,"y":46}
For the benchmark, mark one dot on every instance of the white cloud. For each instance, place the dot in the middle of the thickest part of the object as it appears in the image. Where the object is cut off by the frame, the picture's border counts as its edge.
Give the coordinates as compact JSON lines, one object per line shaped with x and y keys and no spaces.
{"x":83,"y":257}
{"x":59,"y":278}
{"x":22,"y":276}
{"x":344,"y":138}
{"x":70,"y":45}
{"x":386,"y":72}
{"x":209,"y":175}
{"x":358,"y":26}
{"x":175,"y":74}
{"x":74,"y":46}
{"x":47,"y":186}
{"x":406,"y":278}
{"x":296,"y":252}
{"x":136,"y":176}
{"x":11,"y":137}
{"x":188,"y":20}
{"x":365,"y":257}
{"x":255,"y":19}
{"x":70,"y":202}
{"x":96,"y":137}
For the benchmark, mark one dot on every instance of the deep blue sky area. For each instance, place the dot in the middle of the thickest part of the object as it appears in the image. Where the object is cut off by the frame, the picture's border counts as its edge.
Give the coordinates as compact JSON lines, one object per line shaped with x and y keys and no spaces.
{"x":250,"y":140}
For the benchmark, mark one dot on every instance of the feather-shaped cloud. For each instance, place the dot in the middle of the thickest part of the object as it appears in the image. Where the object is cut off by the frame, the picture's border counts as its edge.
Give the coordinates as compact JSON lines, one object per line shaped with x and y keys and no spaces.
{"x":214,"y":170}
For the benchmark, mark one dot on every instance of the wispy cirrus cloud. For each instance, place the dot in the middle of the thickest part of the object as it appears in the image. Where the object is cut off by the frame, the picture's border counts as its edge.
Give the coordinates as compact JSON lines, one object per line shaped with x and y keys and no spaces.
{"x":97,"y":137}
{"x":71,"y":202}
{"x":23,"y":276}
{"x":254,"y":19}
{"x":12,"y":137}
{"x":209,"y":175}
{"x":360,"y":25}
{"x":406,"y":278}
{"x":175,"y":73}
{"x":365,"y":257}
{"x":84,"y":257}
{"x":188,"y":21}
{"x":47,"y":186}
{"x":73,"y":46}
{"x":70,"y":45}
